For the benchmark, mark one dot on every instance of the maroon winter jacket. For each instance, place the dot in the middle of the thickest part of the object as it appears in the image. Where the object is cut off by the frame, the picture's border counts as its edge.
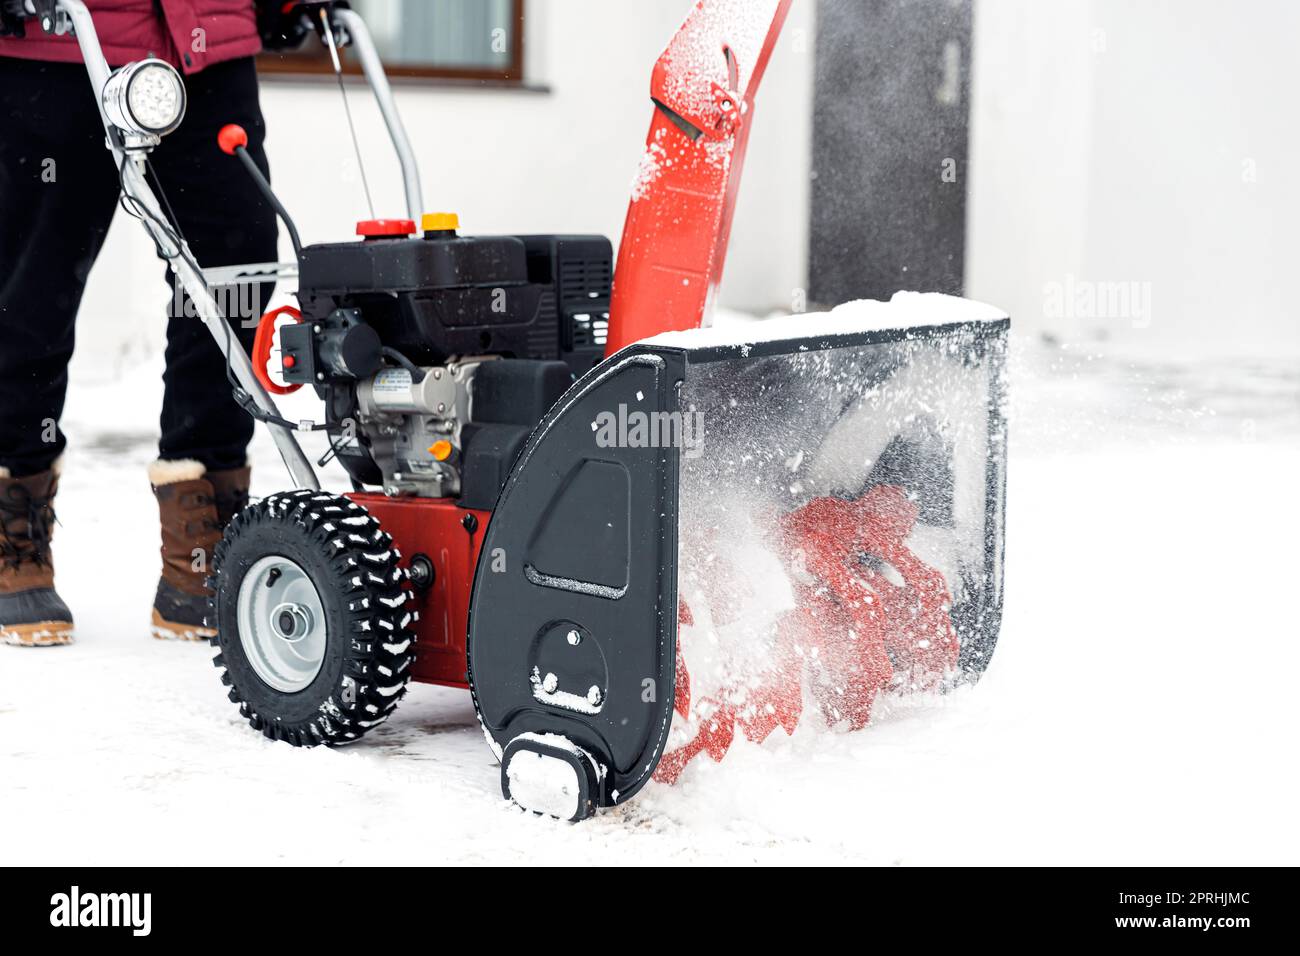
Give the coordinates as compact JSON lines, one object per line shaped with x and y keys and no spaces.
{"x":189,"y":34}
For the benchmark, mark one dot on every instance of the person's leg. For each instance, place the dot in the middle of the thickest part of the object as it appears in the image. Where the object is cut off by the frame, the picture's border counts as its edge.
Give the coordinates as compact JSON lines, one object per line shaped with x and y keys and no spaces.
{"x":57,"y":193}
{"x":58,"y":190}
{"x":201,"y":478}
{"x":226,"y":221}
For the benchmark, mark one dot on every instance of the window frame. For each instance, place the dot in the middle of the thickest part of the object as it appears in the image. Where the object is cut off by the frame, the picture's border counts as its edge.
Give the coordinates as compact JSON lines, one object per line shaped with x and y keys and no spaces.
{"x":316,"y":63}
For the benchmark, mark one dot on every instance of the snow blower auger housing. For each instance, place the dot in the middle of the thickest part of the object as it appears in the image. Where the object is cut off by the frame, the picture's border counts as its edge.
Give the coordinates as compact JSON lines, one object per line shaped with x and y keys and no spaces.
{"x":666,"y":475}
{"x":631,"y":537}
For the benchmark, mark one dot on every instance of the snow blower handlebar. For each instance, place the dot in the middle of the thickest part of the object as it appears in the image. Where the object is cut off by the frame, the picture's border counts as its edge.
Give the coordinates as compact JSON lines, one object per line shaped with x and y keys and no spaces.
{"x":130,"y":148}
{"x":130,"y":151}
{"x":378,"y":80}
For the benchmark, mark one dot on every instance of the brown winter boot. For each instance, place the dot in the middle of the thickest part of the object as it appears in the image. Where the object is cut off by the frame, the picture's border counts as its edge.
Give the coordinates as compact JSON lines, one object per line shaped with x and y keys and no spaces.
{"x":31,"y":612}
{"x":194,"y":507}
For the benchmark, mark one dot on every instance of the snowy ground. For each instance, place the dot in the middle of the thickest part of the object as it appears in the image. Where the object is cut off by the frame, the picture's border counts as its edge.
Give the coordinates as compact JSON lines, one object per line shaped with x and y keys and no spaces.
{"x":1139,"y":709}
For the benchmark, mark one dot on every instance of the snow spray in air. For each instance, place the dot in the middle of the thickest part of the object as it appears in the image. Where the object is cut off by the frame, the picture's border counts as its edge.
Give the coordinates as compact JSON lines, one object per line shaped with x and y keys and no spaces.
{"x":840,"y":533}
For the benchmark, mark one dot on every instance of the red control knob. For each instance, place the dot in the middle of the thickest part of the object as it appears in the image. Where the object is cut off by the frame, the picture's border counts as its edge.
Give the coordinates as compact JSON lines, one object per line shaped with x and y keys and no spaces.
{"x":381,"y":228}
{"x":231,"y":138}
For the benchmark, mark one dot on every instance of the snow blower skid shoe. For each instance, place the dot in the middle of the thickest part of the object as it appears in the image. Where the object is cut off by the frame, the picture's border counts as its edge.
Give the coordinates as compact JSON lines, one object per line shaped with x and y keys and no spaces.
{"x":707,"y":526}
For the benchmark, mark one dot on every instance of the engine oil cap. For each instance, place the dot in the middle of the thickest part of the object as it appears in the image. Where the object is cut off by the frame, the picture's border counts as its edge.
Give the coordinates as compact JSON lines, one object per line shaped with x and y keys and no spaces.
{"x":385,"y":228}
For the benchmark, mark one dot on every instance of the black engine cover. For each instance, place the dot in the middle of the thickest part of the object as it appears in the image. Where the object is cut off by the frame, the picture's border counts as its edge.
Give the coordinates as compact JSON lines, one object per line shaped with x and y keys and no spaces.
{"x":533,"y":297}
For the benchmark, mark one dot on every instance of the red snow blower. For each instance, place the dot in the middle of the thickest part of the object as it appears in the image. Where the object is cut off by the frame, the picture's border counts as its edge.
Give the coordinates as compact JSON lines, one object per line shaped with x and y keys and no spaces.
{"x":630,"y":536}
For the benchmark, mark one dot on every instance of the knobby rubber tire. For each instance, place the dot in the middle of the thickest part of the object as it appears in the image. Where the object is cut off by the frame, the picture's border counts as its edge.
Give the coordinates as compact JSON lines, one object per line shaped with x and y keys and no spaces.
{"x":370,"y":646}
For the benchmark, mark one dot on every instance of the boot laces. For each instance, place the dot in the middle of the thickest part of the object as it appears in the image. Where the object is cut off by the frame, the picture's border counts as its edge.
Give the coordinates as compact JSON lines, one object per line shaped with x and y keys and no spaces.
{"x":33,"y":545}
{"x":197,"y":512}
{"x":230,"y":504}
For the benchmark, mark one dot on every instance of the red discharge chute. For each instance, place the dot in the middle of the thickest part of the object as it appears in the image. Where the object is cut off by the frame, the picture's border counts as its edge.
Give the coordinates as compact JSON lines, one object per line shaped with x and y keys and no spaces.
{"x":869,"y":613}
{"x":679,"y":220}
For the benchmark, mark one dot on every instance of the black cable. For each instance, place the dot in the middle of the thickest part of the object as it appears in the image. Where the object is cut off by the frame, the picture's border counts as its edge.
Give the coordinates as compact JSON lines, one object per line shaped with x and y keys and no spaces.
{"x":265,"y":187}
{"x":162,"y":194}
{"x":417,"y":373}
{"x":137,"y":210}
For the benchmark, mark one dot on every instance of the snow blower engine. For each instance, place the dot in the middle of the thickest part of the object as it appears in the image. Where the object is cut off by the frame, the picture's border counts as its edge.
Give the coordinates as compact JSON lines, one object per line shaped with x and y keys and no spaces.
{"x":635,"y":539}
{"x":437,"y":356}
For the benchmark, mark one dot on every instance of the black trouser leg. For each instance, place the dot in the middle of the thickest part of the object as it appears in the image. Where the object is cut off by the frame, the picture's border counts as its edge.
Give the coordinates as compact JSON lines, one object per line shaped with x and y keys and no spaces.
{"x":58,"y":190}
{"x":226,"y":221}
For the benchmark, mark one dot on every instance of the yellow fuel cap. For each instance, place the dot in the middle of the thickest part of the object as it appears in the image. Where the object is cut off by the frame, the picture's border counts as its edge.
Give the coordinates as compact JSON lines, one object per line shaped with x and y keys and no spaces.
{"x":439,"y":222}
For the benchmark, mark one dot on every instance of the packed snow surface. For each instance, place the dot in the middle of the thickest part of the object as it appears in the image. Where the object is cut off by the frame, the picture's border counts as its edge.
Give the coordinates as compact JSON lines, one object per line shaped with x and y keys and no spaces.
{"x":1140,"y":708}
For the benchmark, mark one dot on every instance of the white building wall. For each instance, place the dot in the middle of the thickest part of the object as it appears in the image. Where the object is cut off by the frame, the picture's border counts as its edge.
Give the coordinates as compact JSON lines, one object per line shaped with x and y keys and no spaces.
{"x":1149,"y":143}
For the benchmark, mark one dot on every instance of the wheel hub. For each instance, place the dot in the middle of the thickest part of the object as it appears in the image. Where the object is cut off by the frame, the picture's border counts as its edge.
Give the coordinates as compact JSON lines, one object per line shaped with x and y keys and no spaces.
{"x":281,"y":624}
{"x":292,"y":622}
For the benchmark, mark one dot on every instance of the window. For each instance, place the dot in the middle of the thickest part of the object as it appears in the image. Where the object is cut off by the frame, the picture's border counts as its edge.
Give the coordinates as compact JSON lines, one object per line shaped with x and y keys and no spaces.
{"x":456,"y":39}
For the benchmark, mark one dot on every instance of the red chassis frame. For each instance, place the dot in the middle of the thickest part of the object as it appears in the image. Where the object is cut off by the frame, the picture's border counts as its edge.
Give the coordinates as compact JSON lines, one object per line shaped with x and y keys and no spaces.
{"x":450,"y":537}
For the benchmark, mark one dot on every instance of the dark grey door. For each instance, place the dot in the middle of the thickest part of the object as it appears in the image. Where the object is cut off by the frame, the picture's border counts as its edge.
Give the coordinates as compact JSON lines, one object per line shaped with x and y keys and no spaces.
{"x":891,"y":106}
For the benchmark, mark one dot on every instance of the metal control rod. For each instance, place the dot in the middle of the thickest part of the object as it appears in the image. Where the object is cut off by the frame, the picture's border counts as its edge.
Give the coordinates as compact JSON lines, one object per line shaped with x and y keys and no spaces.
{"x":300,"y":468}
